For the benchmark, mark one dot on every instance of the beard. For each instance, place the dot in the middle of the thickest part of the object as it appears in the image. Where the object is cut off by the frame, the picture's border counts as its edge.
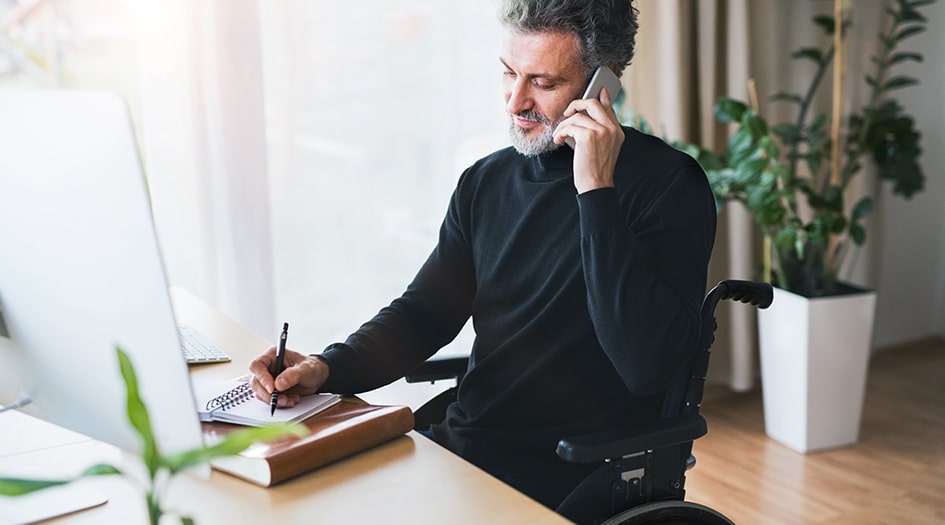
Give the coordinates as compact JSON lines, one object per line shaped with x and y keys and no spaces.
{"x":538,"y":145}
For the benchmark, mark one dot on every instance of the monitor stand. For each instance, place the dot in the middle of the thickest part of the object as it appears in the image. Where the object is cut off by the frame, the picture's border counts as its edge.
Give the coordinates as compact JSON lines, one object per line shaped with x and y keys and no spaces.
{"x":50,"y":503}
{"x":25,"y":445}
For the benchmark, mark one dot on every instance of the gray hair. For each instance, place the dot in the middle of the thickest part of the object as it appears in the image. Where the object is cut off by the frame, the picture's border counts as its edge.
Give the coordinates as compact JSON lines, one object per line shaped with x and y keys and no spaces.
{"x":606,"y":29}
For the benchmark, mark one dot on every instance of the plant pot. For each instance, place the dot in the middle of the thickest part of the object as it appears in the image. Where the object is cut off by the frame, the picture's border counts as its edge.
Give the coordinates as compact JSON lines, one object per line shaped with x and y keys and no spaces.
{"x":814,"y":357}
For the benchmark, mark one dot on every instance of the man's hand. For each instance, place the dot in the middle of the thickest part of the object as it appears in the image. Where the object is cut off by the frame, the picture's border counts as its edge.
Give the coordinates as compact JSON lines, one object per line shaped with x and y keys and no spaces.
{"x":303,"y":375}
{"x":597,"y":135}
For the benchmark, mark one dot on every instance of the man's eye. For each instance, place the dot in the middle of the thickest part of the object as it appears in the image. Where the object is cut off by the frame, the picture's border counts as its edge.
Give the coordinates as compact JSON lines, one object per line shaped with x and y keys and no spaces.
{"x":544,"y":85}
{"x":508,"y":74}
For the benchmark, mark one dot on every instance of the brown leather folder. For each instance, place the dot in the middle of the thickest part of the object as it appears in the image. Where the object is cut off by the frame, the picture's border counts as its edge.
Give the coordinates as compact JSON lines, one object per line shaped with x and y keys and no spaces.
{"x":345,"y":429}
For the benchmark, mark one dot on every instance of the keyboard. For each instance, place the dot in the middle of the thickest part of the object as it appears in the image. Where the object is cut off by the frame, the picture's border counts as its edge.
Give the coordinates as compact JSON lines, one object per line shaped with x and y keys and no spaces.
{"x":197,"y":349}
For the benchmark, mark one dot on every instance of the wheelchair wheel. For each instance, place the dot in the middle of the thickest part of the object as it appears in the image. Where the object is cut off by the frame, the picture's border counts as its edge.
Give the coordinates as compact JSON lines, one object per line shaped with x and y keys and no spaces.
{"x":669,"y":513}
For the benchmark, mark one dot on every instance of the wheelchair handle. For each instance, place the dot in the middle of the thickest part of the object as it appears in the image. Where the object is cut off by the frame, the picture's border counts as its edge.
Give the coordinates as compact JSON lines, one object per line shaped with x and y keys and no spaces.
{"x":755,"y":293}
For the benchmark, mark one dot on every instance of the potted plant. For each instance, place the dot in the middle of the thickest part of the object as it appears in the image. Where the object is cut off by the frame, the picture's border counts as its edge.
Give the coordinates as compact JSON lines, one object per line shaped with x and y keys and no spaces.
{"x":793,"y":177}
{"x":161,"y":468}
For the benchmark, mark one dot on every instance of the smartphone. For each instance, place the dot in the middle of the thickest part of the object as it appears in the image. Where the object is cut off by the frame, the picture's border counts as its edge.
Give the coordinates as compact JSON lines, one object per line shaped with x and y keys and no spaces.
{"x":602,"y":78}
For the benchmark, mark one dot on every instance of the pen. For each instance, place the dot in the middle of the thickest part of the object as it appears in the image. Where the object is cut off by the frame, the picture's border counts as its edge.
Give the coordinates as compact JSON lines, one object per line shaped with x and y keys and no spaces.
{"x":280,"y":358}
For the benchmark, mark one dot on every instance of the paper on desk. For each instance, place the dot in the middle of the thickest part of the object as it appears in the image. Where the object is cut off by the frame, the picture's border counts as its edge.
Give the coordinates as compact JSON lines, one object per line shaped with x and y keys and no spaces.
{"x":240,"y":406}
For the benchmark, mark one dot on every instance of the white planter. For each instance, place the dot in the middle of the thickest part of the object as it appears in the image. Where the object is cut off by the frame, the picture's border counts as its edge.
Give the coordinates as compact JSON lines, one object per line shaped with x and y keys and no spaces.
{"x":814,"y":357}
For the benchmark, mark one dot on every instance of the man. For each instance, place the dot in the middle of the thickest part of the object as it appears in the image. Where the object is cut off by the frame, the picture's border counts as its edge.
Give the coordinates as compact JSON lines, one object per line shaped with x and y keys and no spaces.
{"x":583,"y":269}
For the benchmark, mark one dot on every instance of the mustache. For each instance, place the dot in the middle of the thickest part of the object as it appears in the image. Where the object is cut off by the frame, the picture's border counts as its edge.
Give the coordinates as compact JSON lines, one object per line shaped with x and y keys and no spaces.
{"x":534,"y":116}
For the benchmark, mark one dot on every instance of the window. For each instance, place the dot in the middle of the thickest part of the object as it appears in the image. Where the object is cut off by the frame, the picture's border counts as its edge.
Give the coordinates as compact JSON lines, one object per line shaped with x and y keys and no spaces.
{"x":84,"y":44}
{"x":373,"y":109}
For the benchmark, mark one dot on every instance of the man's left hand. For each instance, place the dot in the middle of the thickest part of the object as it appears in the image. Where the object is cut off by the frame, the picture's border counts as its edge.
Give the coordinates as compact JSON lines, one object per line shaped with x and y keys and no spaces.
{"x":593,"y":126}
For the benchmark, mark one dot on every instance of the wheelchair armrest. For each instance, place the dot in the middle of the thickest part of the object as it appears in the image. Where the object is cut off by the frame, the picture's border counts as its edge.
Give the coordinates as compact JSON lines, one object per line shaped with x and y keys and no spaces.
{"x":612,"y":444}
{"x":439,"y":368}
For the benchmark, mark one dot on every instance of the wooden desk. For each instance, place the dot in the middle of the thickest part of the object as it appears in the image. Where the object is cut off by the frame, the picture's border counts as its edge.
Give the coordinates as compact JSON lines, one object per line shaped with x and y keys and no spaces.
{"x":408,"y":480}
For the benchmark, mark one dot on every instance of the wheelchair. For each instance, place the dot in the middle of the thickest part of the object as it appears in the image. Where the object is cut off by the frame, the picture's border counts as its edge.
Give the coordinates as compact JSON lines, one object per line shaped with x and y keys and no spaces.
{"x":642,"y":473}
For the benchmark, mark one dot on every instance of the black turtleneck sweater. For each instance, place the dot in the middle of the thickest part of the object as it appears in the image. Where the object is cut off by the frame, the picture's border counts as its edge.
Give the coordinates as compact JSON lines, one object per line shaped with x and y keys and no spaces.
{"x":583,"y":305}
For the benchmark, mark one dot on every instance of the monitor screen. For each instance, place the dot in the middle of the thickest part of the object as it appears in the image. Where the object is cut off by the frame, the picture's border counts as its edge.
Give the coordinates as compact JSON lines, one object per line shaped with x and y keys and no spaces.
{"x":81,"y":272}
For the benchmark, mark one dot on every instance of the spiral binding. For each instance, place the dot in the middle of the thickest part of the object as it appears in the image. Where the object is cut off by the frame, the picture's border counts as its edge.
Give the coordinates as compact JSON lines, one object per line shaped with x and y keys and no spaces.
{"x":234,"y":397}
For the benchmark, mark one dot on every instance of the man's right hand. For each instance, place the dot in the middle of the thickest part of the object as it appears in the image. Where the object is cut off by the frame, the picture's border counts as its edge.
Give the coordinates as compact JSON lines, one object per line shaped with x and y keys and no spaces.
{"x":302,"y":375}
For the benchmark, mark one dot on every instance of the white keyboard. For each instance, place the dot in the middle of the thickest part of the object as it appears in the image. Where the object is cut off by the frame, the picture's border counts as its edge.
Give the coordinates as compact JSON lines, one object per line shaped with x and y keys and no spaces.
{"x":197,"y":349}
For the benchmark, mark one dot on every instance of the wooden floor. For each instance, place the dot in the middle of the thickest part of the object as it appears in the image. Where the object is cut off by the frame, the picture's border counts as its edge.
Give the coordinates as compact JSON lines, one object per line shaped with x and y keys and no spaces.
{"x":894,"y":475}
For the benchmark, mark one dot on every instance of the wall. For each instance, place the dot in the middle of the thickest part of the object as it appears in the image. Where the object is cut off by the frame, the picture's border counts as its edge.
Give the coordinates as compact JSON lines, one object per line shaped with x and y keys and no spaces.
{"x":911,"y":272}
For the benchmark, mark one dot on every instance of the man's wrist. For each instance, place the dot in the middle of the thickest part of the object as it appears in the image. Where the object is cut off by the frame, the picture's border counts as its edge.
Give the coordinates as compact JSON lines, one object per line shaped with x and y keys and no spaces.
{"x":323,"y":360}
{"x":596,"y":185}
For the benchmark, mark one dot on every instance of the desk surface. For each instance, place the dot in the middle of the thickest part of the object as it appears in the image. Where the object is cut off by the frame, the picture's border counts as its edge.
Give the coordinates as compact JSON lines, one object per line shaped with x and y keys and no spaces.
{"x":409,"y":479}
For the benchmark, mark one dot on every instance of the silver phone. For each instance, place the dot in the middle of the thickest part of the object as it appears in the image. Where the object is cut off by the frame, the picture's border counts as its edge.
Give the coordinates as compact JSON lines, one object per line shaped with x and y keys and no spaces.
{"x":602,"y":78}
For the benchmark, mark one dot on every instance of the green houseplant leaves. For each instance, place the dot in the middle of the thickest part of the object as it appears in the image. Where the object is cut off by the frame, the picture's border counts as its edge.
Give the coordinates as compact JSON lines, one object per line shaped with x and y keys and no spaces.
{"x":781,"y":172}
{"x":161,"y":468}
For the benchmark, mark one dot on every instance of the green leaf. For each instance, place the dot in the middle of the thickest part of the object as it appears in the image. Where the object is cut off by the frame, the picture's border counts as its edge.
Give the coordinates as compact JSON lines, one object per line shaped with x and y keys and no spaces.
{"x":750,"y":171}
{"x":730,"y":110}
{"x":138,"y":413}
{"x":909,"y":32}
{"x":101,"y":469}
{"x":899,"y":82}
{"x":770,"y":148}
{"x":830,"y":200}
{"x":20,"y":486}
{"x":799,"y":247}
{"x":739,"y":146}
{"x":755,"y":124}
{"x":819,"y":124}
{"x":787,"y":132}
{"x":785,"y":238}
{"x":811,"y":53}
{"x":888,"y":42}
{"x":813,"y":162}
{"x":857,"y":233}
{"x":234,"y":443}
{"x":862,"y":209}
{"x":903,"y":56}
{"x":836,"y":224}
{"x":826,"y":22}
{"x":909,"y":15}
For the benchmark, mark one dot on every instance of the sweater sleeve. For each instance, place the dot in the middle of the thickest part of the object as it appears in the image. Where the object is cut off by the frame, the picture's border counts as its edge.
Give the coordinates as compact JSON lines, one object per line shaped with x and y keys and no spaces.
{"x":645,"y":271}
{"x":428,"y":315}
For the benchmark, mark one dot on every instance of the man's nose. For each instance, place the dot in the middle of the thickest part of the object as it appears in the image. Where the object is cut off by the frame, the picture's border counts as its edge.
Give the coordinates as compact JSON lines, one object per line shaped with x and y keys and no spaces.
{"x":519,"y":98}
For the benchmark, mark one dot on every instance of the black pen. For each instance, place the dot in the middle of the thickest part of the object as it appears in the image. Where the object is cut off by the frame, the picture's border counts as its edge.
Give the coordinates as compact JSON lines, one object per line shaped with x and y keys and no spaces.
{"x":280,"y":358}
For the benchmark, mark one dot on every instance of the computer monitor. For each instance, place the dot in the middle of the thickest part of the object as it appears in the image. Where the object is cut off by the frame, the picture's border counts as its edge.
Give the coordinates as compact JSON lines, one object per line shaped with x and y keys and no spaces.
{"x":81,"y":272}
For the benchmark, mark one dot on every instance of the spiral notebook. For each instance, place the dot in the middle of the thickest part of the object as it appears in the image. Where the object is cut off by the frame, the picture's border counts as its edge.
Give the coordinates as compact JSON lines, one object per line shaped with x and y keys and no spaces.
{"x":233,"y":401}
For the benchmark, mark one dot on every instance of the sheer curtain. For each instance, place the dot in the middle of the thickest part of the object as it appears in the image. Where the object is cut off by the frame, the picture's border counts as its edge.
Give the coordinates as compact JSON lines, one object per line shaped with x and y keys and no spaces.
{"x":191,"y":74}
{"x":301,"y":154}
{"x":373,"y":110}
{"x":205,"y":152}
